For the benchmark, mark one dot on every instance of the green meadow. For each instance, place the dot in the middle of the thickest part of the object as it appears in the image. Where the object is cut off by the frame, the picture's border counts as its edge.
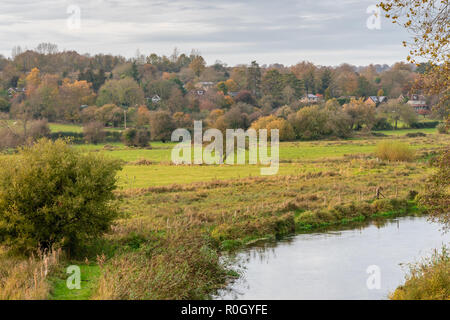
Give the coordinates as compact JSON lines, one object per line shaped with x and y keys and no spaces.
{"x":176,"y":220}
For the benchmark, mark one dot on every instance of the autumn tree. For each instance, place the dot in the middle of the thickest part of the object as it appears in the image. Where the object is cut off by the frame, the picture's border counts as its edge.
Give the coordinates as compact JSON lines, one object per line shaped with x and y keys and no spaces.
{"x":161,"y":125}
{"x":428,"y":21}
{"x":436,"y":196}
{"x":124,"y":92}
{"x":197,"y":65}
{"x":360,"y":113}
{"x":72,"y":96}
{"x":286,"y":132}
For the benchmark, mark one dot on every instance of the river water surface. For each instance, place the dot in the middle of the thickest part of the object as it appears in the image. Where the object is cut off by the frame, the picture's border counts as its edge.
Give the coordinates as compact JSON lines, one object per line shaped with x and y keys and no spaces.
{"x":333,"y":265}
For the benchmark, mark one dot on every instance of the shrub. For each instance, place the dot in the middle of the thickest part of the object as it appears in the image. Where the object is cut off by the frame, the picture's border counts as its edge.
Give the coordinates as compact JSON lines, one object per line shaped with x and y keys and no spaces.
{"x":394,"y":151}
{"x":27,"y":279}
{"x":310,"y":123}
{"x":436,"y":196}
{"x":381,"y":123}
{"x":16,"y":135}
{"x":286,"y":132}
{"x":415,"y":134}
{"x":428,"y":280}
{"x":422,"y":125}
{"x":442,"y":128}
{"x":9,"y":138}
{"x":94,"y":132}
{"x":136,"y":137}
{"x":161,"y":125}
{"x":51,"y":194}
{"x":39,"y":129}
{"x":4,"y":105}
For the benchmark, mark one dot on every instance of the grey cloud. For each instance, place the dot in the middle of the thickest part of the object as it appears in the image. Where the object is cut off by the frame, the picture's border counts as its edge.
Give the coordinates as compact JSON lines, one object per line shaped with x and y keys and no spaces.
{"x":324,"y":31}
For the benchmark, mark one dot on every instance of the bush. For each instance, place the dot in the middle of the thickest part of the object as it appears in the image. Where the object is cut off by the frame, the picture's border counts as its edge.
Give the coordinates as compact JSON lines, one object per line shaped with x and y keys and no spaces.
{"x":422,"y":125}
{"x":136,"y":137}
{"x":51,"y":194}
{"x":286,"y":132}
{"x":15,"y":135}
{"x":382,"y":123}
{"x":4,"y":105}
{"x":394,"y":151}
{"x":310,"y":123}
{"x":415,"y":134}
{"x":428,"y":280}
{"x":9,"y":138}
{"x":94,"y":132}
{"x":436,"y":196}
{"x":442,"y":128}
{"x":39,"y":129}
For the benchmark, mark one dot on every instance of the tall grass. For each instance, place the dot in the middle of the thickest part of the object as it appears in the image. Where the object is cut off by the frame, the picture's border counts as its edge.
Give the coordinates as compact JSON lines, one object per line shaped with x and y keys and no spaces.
{"x":394,"y":151}
{"x":180,"y":266}
{"x":26,"y":279}
{"x":428,"y":280}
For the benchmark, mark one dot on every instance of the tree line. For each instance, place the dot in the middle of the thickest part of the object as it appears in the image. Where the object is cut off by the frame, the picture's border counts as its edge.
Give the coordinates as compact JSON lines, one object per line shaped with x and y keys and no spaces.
{"x":163,"y":92}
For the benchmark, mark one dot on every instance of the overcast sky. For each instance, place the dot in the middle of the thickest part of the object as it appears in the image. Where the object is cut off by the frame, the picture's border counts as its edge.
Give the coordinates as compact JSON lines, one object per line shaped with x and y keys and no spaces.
{"x":326,"y":32}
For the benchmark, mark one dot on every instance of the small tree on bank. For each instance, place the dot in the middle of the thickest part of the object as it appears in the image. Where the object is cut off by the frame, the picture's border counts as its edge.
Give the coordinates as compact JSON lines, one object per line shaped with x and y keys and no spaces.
{"x":136,"y":137}
{"x":51,"y":194}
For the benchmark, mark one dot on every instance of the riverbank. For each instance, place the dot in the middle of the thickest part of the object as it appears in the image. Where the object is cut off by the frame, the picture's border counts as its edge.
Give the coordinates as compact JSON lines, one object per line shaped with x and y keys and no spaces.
{"x":169,"y":238}
{"x":427,"y":280}
{"x":185,"y":263}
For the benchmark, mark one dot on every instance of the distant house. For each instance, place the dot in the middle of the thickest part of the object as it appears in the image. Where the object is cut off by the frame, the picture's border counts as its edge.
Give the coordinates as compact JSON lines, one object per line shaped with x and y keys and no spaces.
{"x":312,"y":98}
{"x":205,"y":85}
{"x":376,"y":100}
{"x":13,"y":91}
{"x":233,"y":93}
{"x":156,"y":99}
{"x":419,"y":103}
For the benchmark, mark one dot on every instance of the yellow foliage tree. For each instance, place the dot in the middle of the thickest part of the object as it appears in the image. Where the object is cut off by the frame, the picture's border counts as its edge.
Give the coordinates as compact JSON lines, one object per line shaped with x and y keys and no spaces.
{"x":286,"y":132}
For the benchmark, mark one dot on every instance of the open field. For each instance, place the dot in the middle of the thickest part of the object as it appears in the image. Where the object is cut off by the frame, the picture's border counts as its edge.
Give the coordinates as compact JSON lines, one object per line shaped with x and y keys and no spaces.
{"x":62,"y":127}
{"x":405,"y":131}
{"x":176,"y":220}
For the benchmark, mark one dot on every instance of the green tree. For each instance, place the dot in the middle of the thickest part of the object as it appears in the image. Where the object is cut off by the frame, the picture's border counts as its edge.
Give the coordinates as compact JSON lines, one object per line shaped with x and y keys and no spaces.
{"x":161,"y":125}
{"x":52,"y":194}
{"x":325,"y":80}
{"x":124,"y":92}
{"x":364,"y":87}
{"x":273,"y":85}
{"x":254,"y":79}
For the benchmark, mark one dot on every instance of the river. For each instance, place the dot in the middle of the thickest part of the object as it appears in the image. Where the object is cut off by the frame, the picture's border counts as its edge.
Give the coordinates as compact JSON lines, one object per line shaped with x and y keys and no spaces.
{"x":364,"y":263}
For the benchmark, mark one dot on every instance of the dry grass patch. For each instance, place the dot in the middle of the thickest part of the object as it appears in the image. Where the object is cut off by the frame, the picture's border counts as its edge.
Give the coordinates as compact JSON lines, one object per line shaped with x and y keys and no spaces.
{"x":27,"y":279}
{"x":394,"y":151}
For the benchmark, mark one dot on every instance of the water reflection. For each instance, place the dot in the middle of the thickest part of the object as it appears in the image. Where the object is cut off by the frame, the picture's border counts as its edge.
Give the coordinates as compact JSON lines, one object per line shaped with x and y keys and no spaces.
{"x":333,"y":264}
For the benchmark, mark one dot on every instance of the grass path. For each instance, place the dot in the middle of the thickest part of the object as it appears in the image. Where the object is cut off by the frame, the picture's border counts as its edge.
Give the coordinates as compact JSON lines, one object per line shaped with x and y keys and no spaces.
{"x":89,"y":276}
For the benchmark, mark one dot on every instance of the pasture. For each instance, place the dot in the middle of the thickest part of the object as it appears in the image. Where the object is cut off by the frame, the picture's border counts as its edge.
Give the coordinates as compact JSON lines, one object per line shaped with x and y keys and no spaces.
{"x":176,"y":221}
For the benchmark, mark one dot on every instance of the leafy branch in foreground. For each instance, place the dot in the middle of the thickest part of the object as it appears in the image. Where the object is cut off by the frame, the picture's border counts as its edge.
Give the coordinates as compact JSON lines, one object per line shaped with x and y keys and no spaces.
{"x":428,"y":21}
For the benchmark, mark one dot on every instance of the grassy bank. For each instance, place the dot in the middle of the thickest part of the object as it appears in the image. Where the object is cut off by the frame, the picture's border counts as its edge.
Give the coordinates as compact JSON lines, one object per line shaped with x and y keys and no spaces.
{"x":177,"y":220}
{"x":180,"y":230}
{"x":427,"y":280}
